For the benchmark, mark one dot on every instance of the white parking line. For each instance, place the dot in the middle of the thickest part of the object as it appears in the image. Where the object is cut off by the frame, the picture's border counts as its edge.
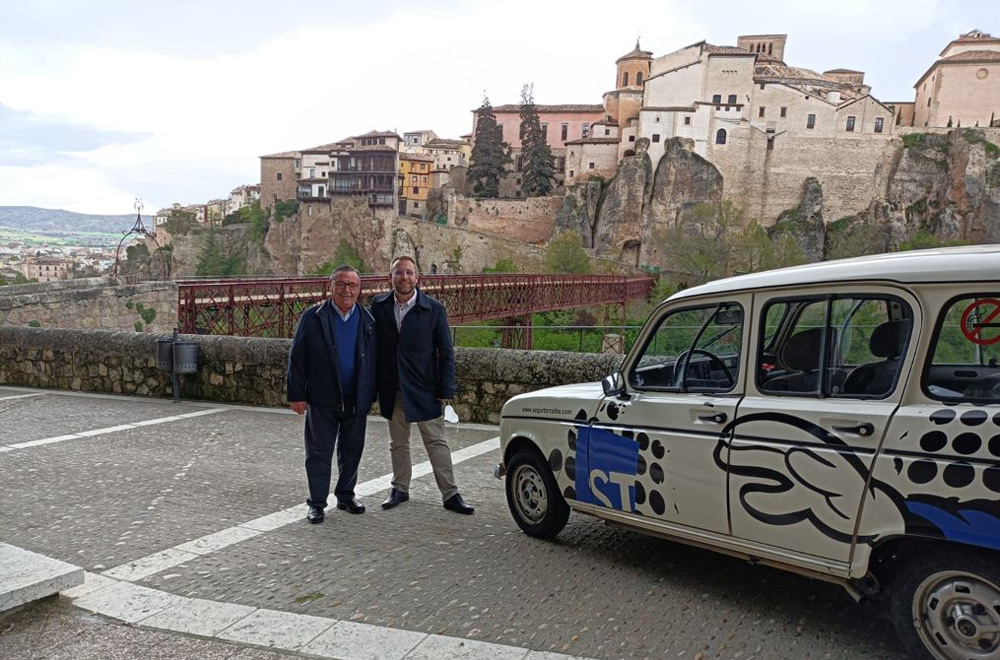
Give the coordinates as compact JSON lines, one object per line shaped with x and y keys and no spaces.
{"x":112,"y":429}
{"x":21,"y":396}
{"x":285,"y":631}
{"x":179,"y":554}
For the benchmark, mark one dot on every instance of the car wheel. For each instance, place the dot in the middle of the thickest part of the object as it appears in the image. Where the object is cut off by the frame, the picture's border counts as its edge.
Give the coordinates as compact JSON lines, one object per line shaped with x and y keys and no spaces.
{"x":533,"y":496}
{"x":946,"y":606}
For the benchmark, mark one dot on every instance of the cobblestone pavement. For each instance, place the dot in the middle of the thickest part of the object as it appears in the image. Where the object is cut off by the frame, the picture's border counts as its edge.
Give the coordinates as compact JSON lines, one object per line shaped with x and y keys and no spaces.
{"x":598,"y":591}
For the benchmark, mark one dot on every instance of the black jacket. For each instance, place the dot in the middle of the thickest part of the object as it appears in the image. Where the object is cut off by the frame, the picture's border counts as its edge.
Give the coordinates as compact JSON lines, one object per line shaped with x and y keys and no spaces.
{"x":419,"y":361}
{"x":313,"y":374}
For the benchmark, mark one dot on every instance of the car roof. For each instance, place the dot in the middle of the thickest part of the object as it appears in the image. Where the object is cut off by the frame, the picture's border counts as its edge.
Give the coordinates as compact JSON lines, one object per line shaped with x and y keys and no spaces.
{"x":974,"y":263}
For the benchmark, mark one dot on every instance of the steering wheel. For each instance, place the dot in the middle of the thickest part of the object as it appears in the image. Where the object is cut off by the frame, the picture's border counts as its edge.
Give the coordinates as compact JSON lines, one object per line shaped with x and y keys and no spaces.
{"x":713,"y":361}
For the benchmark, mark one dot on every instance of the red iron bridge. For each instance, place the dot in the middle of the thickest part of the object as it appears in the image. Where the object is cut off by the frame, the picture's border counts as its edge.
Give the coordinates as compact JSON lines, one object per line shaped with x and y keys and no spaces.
{"x":270,"y":307}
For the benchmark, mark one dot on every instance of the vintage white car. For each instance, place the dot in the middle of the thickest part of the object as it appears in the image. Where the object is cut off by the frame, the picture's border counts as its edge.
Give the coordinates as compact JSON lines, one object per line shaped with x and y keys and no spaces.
{"x":839,"y":419}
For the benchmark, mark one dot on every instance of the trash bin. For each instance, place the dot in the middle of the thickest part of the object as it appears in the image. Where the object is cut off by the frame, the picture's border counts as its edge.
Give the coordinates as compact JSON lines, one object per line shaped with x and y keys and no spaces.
{"x":185,"y":357}
{"x":165,"y":355}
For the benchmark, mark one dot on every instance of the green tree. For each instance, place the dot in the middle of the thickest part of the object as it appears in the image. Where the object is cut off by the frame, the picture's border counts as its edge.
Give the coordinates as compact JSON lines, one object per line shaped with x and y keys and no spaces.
{"x":180,"y":222}
{"x":490,"y":154}
{"x":215,"y":261}
{"x":18,"y":279}
{"x":565,"y":254}
{"x":502,"y":266}
{"x":538,"y":165}
{"x":345,"y":254}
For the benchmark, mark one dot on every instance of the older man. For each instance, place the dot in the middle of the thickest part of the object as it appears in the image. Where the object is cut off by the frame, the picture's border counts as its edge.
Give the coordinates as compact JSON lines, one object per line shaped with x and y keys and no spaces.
{"x":331,"y":378}
{"x":416,"y":377}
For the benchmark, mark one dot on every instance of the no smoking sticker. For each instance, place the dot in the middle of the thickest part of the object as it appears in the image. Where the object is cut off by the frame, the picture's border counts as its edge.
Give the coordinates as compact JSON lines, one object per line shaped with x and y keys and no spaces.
{"x":981,"y":322}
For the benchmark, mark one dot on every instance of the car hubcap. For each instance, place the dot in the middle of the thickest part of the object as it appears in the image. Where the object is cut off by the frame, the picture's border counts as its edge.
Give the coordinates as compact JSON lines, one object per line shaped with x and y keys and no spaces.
{"x":530,"y":498}
{"x":958,"y":616}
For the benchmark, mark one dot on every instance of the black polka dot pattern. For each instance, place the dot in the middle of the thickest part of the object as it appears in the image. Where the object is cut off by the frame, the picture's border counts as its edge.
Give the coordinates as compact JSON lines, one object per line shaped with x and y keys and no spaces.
{"x":975,"y":417}
{"x":940,"y":417}
{"x":656,"y":473}
{"x":640,"y":467}
{"x":643,"y":441}
{"x":991,"y":478}
{"x":967,"y":443}
{"x":569,"y":493}
{"x":657,"y":503}
{"x":658,"y":450}
{"x":959,"y":475}
{"x":571,"y":468}
{"x":995,"y":445}
{"x":922,"y":472}
{"x":556,"y":460}
{"x":640,"y":493}
{"x":996,"y":419}
{"x":933,"y":441}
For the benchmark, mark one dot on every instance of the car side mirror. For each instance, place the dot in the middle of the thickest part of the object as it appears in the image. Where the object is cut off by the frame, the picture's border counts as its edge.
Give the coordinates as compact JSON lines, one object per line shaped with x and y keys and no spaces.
{"x":614,"y":384}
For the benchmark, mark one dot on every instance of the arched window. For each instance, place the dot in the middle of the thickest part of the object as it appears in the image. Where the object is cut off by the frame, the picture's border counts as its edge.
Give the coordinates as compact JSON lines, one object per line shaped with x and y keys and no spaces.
{"x":638,"y":78}
{"x":625,"y":79}
{"x":720,"y":136}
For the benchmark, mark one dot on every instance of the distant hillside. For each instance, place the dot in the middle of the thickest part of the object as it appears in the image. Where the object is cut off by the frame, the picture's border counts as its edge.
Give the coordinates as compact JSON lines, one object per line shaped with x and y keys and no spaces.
{"x":55,"y":222}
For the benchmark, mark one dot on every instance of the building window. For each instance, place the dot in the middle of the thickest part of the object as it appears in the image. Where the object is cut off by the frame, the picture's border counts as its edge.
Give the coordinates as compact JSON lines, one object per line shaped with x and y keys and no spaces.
{"x":625,"y":79}
{"x":717,"y":99}
{"x":732,"y":99}
{"x":810,"y":121}
{"x":656,"y":137}
{"x":586,"y":129}
{"x":571,"y":174}
{"x":545,"y":129}
{"x":720,"y":136}
{"x":850,"y":123}
{"x":878,"y":124}
{"x":631,"y":138}
{"x":590,"y":165}
{"x":760,"y":111}
{"x":415,"y":190}
{"x":416,"y":205}
{"x":687,"y":121}
{"x":638,"y":78}
{"x":784,"y":111}
{"x":279,"y":176}
{"x":565,"y":131}
{"x":607,"y":131}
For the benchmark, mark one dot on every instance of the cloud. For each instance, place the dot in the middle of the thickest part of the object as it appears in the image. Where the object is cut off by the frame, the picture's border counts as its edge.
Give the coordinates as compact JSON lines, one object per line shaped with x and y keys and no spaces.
{"x":84,"y":190}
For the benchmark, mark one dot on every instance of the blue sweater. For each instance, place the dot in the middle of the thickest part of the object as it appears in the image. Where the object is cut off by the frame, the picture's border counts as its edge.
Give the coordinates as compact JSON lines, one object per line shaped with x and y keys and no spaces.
{"x":347,"y":339}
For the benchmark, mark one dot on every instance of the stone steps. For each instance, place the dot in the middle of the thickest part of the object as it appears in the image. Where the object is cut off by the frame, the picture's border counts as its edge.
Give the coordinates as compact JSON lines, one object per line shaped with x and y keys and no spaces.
{"x":27,"y":576}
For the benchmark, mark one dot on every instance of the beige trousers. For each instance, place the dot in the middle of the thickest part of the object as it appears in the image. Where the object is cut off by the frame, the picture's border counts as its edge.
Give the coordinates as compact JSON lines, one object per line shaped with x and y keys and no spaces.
{"x":432,"y":433}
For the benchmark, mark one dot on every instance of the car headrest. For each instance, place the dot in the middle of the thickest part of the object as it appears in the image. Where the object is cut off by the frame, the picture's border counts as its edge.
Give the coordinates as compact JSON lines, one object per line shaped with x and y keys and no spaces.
{"x":889,"y":338}
{"x":801,"y":351}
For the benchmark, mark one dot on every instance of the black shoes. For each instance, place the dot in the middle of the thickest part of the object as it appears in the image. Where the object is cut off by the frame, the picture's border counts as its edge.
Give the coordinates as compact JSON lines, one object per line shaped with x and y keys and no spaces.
{"x":396,"y":497}
{"x":314,"y":515}
{"x":457,"y":504}
{"x":351,"y":506}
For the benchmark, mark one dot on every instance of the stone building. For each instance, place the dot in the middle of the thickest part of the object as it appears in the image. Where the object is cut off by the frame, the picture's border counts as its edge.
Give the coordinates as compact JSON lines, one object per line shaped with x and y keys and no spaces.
{"x":279,"y":174}
{"x":47,"y":269}
{"x":415,"y":182}
{"x":962,"y":88}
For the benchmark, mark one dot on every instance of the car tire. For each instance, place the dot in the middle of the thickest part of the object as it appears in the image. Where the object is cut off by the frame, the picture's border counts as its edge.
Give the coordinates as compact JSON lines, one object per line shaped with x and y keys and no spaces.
{"x":945,"y":605}
{"x":533,"y":496}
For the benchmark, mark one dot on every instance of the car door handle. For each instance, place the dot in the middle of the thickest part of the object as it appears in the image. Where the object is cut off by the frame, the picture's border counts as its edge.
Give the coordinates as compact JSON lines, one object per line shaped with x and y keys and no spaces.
{"x":718,"y":418}
{"x":865,"y":429}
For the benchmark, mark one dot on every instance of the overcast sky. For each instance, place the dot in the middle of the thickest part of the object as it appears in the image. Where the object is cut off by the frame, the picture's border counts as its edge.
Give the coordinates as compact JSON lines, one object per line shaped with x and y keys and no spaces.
{"x":105,"y":101}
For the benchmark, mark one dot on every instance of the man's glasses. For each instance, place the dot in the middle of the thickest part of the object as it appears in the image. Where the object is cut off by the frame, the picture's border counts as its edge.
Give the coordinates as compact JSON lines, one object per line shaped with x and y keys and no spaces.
{"x":346,"y":285}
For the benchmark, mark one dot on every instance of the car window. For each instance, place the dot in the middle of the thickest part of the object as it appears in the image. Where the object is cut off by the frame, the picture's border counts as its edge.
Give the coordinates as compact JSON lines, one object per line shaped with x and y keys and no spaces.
{"x":834,"y":346}
{"x":696,"y":349}
{"x":965,"y":355}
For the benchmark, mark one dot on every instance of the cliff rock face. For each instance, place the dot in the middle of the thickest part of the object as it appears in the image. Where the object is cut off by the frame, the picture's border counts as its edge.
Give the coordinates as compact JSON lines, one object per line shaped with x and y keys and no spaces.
{"x":805,"y":222}
{"x":233,"y":240}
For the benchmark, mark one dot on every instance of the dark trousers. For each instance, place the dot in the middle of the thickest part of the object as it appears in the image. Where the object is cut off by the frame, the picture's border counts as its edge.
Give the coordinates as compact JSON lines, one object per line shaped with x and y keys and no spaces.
{"x":326,"y":429}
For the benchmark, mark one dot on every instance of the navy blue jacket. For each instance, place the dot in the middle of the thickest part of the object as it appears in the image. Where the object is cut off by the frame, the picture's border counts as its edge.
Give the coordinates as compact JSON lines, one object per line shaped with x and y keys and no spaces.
{"x":313,"y":375}
{"x":419,"y":361}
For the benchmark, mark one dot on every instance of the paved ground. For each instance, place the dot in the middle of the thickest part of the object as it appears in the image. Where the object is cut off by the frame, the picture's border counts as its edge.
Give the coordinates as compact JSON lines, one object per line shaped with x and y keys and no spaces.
{"x":204,"y":502}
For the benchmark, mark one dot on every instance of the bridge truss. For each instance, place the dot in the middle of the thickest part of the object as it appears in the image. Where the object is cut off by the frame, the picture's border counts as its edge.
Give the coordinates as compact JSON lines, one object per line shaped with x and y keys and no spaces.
{"x":270,"y":307}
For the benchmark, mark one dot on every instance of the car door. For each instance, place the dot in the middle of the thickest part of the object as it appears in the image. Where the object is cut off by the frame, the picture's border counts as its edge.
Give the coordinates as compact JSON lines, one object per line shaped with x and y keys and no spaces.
{"x":650,"y":451}
{"x":827,"y":380}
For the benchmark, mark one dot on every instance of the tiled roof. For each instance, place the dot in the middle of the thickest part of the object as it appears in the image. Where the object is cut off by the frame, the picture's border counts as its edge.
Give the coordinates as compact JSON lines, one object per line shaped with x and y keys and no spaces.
{"x":444,"y":142}
{"x":774,"y":71}
{"x":843,"y":71}
{"x":725,"y":50}
{"x":426,"y":158}
{"x":372,"y":147}
{"x":333,"y":146}
{"x":284,"y":154}
{"x":566,"y":107}
{"x":378,"y":134}
{"x":598,"y":140}
{"x":974,"y":56}
{"x":637,"y":53}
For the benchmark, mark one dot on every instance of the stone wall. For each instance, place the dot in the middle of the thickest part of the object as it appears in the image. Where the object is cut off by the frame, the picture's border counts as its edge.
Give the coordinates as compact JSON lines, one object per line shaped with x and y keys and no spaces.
{"x":529,"y":220}
{"x":91,"y":303}
{"x":252,"y":371}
